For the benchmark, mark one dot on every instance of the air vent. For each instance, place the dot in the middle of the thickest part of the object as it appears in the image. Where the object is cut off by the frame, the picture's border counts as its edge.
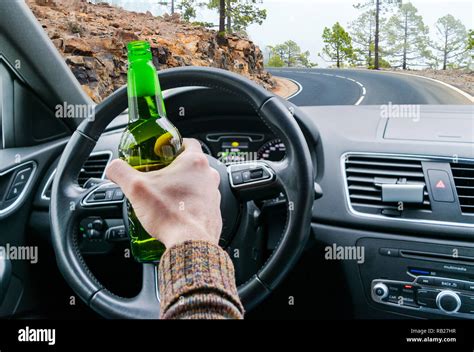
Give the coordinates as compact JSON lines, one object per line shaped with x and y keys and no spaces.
{"x":93,"y":167}
{"x":464,"y":180}
{"x":365,"y":173}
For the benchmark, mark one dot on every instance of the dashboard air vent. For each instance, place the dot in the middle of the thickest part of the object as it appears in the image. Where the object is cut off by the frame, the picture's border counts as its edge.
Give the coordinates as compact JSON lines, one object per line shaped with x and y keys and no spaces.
{"x":93,"y":167}
{"x":365,"y":175}
{"x":464,"y":180}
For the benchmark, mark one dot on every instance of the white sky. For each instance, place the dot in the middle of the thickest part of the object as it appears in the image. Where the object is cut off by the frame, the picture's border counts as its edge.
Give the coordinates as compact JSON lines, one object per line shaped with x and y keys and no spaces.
{"x":304,"y":20}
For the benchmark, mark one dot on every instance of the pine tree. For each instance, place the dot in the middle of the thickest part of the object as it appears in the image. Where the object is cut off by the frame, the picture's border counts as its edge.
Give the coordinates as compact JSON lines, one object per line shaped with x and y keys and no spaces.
{"x":450,"y":43}
{"x":289,"y":53}
{"x":338,"y":46}
{"x":407,"y":38}
{"x":237,"y":15}
{"x":362,"y":31}
{"x":376,"y":8}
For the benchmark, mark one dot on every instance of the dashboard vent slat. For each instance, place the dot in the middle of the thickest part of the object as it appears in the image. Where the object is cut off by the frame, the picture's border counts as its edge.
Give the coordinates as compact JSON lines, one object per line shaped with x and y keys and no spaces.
{"x":93,"y":167}
{"x":363,"y":173}
{"x":463,"y":175}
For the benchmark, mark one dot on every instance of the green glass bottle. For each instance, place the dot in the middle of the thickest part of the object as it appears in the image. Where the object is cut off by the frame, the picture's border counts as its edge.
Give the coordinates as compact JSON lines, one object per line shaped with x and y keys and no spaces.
{"x":150,"y":141}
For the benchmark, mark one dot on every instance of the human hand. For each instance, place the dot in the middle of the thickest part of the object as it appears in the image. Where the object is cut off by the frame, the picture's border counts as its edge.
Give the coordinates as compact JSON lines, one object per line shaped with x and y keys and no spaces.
{"x":177,"y":203}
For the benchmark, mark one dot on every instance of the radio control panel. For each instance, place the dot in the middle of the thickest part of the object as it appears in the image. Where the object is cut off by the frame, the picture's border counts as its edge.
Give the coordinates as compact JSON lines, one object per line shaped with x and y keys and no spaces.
{"x":428,"y":294}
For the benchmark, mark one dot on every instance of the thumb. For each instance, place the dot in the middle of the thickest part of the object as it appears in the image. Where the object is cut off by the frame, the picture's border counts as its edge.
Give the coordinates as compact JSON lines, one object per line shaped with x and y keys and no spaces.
{"x":121,"y":173}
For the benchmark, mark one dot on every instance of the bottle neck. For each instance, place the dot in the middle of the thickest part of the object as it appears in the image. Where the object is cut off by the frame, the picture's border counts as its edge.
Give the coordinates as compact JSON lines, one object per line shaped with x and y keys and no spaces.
{"x":145,"y":98}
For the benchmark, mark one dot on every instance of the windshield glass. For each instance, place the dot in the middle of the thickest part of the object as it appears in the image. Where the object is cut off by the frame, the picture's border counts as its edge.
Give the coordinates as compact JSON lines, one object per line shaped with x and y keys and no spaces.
{"x":312,"y":52}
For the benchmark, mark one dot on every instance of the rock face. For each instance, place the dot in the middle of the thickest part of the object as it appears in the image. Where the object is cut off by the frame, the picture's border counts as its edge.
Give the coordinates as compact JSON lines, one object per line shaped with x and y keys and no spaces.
{"x":92,"y":39}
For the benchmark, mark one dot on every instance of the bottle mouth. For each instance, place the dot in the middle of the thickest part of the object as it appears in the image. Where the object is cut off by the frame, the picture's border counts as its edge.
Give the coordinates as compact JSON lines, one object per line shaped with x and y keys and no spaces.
{"x":138,"y":50}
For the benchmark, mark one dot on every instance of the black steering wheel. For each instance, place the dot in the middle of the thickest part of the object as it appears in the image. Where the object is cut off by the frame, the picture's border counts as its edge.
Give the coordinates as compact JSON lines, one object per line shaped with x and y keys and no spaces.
{"x":294,"y":175}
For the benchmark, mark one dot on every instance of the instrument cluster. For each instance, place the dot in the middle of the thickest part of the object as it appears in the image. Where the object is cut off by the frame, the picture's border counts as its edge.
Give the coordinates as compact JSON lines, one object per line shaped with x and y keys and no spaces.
{"x":235,"y":148}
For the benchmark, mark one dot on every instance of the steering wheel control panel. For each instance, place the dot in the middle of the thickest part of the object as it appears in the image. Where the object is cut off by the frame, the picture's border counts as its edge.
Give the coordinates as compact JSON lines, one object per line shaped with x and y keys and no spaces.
{"x":106,"y":193}
{"x":98,"y":235}
{"x":428,"y":294}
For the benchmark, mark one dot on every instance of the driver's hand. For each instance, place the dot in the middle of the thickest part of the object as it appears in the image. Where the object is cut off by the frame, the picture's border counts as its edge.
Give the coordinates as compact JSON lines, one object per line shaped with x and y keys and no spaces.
{"x":178,"y":203}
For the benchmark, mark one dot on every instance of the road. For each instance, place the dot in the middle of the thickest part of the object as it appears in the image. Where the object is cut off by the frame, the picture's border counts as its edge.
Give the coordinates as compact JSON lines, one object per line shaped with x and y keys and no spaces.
{"x":364,"y":87}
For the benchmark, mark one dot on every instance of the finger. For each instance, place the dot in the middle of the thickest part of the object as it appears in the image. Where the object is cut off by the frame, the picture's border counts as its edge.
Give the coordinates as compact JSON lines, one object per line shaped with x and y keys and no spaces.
{"x":192,"y":145}
{"x":215,"y":176}
{"x":121,"y":173}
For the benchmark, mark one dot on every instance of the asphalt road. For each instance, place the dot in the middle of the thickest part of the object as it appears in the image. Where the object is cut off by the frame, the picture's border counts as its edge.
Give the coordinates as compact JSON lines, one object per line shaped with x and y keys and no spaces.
{"x":364,"y":87}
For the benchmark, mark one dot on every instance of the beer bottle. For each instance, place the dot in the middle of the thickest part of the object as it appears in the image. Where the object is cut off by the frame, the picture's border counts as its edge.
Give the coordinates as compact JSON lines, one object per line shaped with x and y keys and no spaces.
{"x":149,"y":142}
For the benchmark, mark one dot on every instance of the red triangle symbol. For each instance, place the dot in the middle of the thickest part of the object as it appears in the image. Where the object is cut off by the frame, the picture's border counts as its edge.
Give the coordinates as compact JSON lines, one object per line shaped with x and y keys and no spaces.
{"x":440,"y":184}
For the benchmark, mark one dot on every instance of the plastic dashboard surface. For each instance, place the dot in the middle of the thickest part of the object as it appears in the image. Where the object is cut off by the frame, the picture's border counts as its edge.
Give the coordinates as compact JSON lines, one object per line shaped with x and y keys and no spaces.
{"x":361,"y":130}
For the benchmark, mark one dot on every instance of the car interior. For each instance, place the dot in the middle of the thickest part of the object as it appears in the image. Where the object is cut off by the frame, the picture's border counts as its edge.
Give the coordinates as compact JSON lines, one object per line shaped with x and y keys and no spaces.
{"x":396,"y":194}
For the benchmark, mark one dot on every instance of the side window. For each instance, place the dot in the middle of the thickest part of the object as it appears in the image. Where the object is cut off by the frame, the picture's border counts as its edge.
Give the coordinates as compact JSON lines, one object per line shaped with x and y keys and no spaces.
{"x":18,"y":104}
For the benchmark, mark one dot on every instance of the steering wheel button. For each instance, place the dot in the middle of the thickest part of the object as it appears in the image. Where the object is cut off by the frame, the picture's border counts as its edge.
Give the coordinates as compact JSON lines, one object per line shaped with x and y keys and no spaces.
{"x":237,"y":178}
{"x":246,"y":176}
{"x":99,"y":196}
{"x":116,"y":233}
{"x":121,"y":233}
{"x":98,"y":224}
{"x":94,"y":234}
{"x":118,"y":194}
{"x":109,"y":194}
{"x":255,"y":174}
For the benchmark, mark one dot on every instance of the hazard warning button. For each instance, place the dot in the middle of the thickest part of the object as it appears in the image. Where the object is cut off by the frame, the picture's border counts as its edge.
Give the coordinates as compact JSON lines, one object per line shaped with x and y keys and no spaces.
{"x":440,"y":184}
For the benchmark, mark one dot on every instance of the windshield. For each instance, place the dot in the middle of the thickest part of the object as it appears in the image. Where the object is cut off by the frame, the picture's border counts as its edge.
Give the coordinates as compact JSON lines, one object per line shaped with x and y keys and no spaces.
{"x":311,"y":52}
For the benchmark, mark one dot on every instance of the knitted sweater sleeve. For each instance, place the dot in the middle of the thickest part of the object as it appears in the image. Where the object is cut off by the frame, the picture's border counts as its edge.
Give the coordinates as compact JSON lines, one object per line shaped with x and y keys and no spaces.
{"x":196,"y":281}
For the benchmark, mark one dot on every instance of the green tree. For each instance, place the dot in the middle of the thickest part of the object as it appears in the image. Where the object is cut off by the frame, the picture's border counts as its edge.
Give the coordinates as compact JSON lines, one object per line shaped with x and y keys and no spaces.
{"x":450,"y":42}
{"x":303,"y":59}
{"x":362,"y":31}
{"x":187,"y":9}
{"x":470,"y":40}
{"x":291,"y":55}
{"x":269,"y":50}
{"x":376,"y":8}
{"x":407,"y":37}
{"x":237,"y":15}
{"x":288,"y":52}
{"x":275,"y":61}
{"x":338,"y":46}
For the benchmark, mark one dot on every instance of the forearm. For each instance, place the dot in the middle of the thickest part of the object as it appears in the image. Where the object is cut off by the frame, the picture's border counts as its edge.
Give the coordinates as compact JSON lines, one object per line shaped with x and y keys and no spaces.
{"x":197,"y":281}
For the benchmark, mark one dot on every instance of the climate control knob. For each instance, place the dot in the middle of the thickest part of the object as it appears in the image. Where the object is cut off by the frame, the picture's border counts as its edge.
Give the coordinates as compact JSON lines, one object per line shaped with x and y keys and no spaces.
{"x":448,"y":301}
{"x":380,"y":290}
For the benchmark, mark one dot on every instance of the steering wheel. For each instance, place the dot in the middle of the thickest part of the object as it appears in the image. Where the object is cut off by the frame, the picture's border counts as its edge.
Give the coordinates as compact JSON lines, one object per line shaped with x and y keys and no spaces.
{"x":294,"y":175}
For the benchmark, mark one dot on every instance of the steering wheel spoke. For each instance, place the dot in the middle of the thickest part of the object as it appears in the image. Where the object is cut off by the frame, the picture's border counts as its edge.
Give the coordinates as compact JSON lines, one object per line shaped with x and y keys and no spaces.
{"x":149,"y":291}
{"x":145,"y":305}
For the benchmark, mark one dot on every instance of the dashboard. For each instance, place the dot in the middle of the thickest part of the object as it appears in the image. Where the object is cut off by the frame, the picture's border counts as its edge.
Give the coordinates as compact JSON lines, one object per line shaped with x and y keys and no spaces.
{"x":356,"y":166}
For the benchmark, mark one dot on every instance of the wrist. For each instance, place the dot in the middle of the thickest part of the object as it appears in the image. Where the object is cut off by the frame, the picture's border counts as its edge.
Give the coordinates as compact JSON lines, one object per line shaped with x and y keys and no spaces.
{"x":177,"y":238}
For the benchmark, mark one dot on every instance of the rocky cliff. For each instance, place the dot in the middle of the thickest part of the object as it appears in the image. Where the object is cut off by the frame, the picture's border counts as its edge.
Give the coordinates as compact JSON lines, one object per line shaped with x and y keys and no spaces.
{"x":92,"y":39}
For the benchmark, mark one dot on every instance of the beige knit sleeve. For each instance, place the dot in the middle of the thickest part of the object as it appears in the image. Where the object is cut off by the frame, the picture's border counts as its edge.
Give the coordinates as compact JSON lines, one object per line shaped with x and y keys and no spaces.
{"x":196,"y":281}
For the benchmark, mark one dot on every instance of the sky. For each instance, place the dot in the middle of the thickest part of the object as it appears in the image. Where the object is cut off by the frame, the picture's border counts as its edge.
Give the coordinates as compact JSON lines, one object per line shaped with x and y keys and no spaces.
{"x":304,"y":20}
